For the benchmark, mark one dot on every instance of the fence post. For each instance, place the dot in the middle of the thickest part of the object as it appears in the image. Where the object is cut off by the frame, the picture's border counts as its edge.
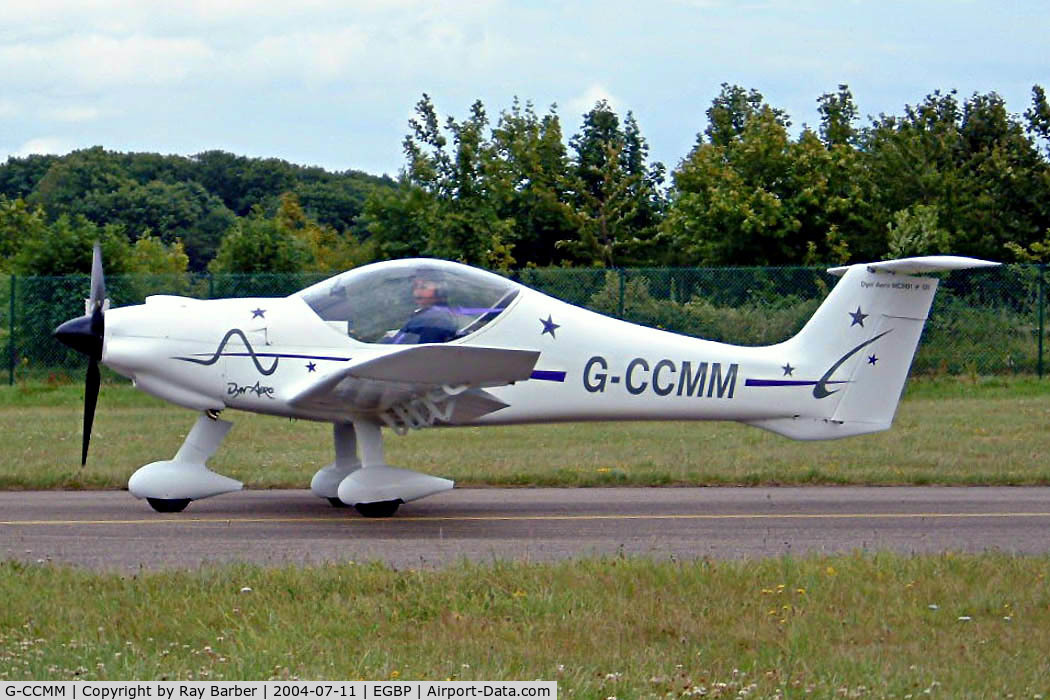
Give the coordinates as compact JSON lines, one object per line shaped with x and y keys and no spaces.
{"x":11,"y":336}
{"x":623,"y":285}
{"x":1042,"y":316}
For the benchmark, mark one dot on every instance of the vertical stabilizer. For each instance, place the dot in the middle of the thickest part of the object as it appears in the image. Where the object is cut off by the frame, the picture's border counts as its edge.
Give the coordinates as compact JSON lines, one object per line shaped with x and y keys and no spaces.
{"x":859,"y":346}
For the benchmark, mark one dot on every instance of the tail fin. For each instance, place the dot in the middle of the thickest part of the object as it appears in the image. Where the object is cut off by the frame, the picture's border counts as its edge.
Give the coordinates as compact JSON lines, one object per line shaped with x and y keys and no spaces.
{"x":860,"y":343}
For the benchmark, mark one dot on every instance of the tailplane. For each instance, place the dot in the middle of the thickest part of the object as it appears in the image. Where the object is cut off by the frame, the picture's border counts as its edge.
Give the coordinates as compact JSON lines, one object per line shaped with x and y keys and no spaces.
{"x":859,"y":346}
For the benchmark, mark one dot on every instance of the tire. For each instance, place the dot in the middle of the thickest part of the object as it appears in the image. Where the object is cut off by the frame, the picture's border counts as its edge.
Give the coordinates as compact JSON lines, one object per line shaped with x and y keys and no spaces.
{"x":168,"y":505}
{"x":379,"y":509}
{"x":336,"y":503}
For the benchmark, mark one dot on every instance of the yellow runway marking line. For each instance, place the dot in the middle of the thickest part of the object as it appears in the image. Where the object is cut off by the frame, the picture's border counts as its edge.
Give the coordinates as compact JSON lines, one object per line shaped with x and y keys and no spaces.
{"x":499,"y":518}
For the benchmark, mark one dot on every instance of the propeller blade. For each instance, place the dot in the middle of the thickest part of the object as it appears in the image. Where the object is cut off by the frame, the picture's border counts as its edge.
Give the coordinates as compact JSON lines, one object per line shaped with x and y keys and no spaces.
{"x":90,"y":401}
{"x":98,"y":280}
{"x":97,"y":329}
{"x":86,"y":335}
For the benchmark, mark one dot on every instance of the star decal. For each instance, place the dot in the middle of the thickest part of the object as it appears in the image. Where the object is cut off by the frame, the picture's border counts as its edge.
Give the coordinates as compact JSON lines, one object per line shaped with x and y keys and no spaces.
{"x":858,"y":318}
{"x":311,"y":367}
{"x":872,"y":359}
{"x":788,"y":370}
{"x":259,"y":313}
{"x":549,"y":326}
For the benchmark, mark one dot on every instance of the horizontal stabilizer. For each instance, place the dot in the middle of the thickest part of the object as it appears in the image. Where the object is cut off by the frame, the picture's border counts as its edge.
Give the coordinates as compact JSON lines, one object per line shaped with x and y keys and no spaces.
{"x":920,"y":265}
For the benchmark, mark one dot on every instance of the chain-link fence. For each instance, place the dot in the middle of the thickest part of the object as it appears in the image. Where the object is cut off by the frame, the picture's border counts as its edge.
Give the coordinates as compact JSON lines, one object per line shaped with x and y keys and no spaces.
{"x":988,"y":321}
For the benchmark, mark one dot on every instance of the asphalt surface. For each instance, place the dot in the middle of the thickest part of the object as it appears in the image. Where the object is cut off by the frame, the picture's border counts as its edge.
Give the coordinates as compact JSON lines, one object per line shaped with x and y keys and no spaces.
{"x":111,"y":530}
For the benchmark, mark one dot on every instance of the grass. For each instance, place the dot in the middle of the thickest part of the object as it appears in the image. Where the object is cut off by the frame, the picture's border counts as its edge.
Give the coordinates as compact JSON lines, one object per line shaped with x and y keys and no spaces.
{"x":988,"y":431}
{"x":857,"y":625}
{"x":861,"y":625}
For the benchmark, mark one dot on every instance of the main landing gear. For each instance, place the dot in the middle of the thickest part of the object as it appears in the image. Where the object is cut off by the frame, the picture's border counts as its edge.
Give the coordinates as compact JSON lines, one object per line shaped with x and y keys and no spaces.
{"x":170,"y":485}
{"x":372,"y":487}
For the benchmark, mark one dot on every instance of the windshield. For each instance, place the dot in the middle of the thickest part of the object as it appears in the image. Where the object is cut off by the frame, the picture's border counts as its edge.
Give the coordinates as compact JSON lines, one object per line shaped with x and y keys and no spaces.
{"x":410,"y":301}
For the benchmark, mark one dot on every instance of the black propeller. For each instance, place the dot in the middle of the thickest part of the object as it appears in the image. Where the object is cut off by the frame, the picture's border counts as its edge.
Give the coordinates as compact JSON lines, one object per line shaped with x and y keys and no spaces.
{"x":84,"y":334}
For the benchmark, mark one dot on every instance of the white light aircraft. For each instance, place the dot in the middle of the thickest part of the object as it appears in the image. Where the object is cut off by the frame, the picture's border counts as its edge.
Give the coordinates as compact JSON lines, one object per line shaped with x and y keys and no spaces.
{"x":418,"y":343}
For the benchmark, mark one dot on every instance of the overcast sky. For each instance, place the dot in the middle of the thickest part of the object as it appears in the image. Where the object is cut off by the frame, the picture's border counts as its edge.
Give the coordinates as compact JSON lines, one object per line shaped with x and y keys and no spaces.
{"x":333,"y":82}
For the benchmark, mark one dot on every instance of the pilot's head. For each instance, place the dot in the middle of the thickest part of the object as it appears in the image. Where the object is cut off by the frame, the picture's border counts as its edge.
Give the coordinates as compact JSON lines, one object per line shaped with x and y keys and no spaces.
{"x":428,"y":289}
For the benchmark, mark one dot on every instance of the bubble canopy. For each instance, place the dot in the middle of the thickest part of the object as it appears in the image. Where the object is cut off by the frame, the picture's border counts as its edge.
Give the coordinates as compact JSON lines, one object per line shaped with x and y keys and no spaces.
{"x":410,"y":301}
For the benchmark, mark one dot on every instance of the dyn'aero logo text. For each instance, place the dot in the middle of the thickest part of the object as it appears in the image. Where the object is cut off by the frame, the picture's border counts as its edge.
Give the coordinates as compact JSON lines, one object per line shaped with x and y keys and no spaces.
{"x":663,"y":378}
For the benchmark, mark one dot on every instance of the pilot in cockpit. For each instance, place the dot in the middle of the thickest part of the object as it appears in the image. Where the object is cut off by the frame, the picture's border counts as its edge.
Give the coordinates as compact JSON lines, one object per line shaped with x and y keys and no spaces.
{"x":433,"y":320}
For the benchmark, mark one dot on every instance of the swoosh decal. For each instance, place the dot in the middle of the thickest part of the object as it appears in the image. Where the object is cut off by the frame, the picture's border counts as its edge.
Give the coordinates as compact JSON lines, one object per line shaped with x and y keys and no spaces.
{"x":787,"y":382}
{"x":820,"y":391}
{"x":222,"y":346}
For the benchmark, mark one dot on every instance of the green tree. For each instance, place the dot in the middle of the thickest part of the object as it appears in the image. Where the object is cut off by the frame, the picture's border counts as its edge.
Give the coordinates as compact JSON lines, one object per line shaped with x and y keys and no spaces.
{"x":287,"y":242}
{"x":19,"y":222}
{"x":618,"y":198}
{"x":180,"y":211}
{"x":749,"y":195}
{"x":838,"y":114}
{"x":65,"y":248}
{"x":527,"y":168}
{"x":150,"y":255}
{"x":1038,"y":116}
{"x":258,"y":243}
{"x":79,"y":184}
{"x":244,"y":184}
{"x":327,"y":250}
{"x":19,"y":176}
{"x":726,"y":208}
{"x":730,"y":112}
{"x":445,"y":206}
{"x":399,"y":221}
{"x":974,"y":162}
{"x":916,"y":231}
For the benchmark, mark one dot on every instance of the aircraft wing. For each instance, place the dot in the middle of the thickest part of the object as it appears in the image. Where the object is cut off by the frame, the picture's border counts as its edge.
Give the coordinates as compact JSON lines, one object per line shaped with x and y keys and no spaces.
{"x":416,"y":378}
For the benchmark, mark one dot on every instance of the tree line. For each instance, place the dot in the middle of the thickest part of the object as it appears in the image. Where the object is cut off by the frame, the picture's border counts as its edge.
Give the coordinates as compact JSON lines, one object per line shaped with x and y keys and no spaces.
{"x":947,"y":175}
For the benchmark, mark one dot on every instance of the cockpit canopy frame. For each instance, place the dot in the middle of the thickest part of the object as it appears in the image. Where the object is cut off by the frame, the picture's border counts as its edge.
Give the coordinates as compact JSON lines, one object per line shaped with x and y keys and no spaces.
{"x":419,"y":300}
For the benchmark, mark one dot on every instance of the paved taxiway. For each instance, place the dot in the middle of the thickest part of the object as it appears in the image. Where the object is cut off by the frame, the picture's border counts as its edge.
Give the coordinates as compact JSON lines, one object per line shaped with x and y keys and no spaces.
{"x":112,"y":530}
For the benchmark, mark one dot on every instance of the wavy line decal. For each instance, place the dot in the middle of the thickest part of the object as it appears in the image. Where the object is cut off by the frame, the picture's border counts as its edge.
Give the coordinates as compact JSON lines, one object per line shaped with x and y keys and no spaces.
{"x":222,"y":346}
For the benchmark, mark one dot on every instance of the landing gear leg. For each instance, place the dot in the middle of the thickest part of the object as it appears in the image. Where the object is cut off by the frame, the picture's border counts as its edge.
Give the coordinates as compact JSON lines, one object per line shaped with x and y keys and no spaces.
{"x":325,"y":483}
{"x":169,"y":486}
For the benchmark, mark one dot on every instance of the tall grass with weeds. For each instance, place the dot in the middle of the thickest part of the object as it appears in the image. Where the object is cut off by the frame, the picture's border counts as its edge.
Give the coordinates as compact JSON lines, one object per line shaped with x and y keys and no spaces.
{"x":862,"y":625}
